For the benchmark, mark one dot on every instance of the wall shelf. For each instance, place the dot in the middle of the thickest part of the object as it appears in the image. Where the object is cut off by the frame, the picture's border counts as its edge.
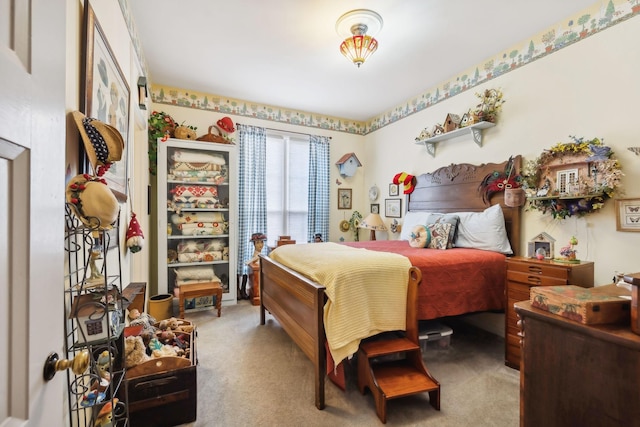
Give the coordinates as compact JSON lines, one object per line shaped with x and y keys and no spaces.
{"x":475,"y":130}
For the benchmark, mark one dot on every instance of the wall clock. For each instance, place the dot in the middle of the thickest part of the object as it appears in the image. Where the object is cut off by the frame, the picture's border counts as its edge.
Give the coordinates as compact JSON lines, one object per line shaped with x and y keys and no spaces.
{"x":373,"y":193}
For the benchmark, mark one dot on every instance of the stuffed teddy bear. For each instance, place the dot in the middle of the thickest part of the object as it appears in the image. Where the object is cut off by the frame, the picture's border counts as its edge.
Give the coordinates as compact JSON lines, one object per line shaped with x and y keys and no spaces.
{"x":134,"y":351}
{"x":146,"y":320}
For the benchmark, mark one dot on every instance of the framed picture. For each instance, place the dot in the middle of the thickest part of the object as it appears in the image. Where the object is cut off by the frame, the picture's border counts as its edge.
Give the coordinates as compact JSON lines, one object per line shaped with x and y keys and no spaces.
{"x":628,"y":214}
{"x":392,"y":208}
{"x":375,"y":208}
{"x":393,"y":189}
{"x":344,"y":198}
{"x":106,"y":96}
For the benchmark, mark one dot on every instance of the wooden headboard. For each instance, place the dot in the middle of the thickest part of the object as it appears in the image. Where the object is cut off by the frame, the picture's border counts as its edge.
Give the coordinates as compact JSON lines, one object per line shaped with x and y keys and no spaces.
{"x":456,"y":188}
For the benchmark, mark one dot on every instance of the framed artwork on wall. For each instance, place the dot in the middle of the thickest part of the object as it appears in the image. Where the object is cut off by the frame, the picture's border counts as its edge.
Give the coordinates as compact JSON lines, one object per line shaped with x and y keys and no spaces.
{"x":393,"y":189}
{"x":392,"y":208}
{"x":375,"y":208}
{"x":344,"y":198}
{"x":628,"y":214}
{"x":106,"y":96}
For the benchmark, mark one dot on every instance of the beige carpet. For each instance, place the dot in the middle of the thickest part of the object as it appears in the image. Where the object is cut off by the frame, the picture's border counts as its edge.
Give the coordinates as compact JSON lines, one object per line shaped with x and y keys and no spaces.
{"x":252,"y":375}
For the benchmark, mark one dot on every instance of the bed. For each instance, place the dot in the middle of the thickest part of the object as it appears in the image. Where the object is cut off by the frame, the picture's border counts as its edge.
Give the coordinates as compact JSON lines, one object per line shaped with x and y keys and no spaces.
{"x":464,"y":285}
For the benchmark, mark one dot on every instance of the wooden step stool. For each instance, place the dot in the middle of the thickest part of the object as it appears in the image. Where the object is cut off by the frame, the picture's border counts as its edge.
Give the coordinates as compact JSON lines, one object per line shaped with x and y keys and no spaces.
{"x":398,"y":377}
{"x":195,"y":290}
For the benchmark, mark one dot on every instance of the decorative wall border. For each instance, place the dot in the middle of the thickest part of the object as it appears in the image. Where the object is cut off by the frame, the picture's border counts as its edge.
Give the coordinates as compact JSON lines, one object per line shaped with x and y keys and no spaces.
{"x":585,"y":24}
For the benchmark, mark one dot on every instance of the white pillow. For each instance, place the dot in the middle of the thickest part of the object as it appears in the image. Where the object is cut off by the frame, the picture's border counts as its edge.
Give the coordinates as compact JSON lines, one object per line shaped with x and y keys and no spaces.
{"x":411,"y":219}
{"x":483,"y":230}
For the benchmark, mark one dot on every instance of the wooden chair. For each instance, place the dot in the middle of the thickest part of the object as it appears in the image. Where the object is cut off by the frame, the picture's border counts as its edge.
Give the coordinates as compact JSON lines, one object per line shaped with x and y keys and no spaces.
{"x":403,"y":373}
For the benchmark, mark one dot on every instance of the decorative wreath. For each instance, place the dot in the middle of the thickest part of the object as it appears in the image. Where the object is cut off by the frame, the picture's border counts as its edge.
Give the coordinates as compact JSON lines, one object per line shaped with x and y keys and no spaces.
{"x":604,"y":180}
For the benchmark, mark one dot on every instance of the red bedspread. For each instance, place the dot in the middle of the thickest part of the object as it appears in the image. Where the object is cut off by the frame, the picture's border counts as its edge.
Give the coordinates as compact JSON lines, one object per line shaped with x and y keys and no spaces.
{"x":454,"y":281}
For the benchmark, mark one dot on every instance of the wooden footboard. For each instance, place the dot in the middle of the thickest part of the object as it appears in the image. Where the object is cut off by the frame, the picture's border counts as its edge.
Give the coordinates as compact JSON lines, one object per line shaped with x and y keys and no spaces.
{"x":297,"y":304}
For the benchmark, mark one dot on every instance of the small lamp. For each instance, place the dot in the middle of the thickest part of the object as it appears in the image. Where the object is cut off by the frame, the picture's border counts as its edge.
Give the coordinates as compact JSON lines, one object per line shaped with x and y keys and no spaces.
{"x":373,"y":222}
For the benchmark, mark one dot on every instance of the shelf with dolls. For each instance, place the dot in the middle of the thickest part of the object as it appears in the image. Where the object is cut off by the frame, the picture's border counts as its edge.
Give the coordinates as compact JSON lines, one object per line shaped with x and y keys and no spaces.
{"x":197,"y":225}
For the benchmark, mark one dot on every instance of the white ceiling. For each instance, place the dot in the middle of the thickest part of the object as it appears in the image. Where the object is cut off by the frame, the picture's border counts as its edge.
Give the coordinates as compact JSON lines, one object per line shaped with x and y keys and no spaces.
{"x":284,"y":53}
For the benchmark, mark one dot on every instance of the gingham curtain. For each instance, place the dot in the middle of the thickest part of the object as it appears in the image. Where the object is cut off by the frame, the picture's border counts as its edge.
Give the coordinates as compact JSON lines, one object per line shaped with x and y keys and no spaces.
{"x":318,"y":217}
{"x":252,"y":198}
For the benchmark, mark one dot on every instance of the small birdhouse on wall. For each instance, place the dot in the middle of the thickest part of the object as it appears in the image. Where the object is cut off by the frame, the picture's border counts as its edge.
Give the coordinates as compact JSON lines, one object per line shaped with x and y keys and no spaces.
{"x":452,"y":122}
{"x":348,"y":164}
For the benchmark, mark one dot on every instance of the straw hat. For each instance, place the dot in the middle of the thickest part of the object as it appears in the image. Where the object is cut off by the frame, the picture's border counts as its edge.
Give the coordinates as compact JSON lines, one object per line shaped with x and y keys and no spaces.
{"x":92,"y":201}
{"x":102,"y":142}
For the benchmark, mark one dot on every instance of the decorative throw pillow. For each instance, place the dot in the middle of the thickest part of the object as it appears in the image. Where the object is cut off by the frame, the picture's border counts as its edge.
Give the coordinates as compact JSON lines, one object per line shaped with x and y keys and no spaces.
{"x":420,"y":237}
{"x":411,"y":219}
{"x":452,"y":219}
{"x":483,"y":230}
{"x":439,"y":235}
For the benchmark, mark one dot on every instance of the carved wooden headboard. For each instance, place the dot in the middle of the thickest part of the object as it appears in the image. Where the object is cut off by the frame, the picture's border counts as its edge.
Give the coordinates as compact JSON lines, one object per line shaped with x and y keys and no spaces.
{"x":457,"y":188}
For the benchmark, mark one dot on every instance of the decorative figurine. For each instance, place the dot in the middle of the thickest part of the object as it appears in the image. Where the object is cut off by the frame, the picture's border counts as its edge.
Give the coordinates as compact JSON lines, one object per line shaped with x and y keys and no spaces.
{"x":258,"y":244}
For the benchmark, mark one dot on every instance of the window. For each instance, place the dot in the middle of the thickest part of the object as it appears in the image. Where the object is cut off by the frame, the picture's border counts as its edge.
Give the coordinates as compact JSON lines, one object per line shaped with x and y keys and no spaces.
{"x":566,"y":180}
{"x":287,"y":185}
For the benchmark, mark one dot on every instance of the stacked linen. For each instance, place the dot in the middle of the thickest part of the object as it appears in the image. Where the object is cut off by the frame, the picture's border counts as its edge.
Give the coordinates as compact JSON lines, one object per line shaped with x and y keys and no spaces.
{"x":195,"y":196}
{"x":195,"y":275}
{"x":200,"y":223}
{"x":197,"y":166}
{"x":200,"y":251}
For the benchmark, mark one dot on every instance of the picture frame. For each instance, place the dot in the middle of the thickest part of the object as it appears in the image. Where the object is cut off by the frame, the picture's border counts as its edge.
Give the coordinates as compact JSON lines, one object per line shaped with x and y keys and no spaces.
{"x":393,"y":208}
{"x":106,"y":96}
{"x":628,"y":215}
{"x":344,"y":198}
{"x":393,"y":189}
{"x":375,"y":208}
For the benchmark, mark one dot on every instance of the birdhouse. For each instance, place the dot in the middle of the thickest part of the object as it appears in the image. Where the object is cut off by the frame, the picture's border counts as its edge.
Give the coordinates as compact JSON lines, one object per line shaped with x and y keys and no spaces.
{"x":542,"y":244}
{"x":437,"y":130}
{"x":452,"y":122}
{"x":348,"y":164}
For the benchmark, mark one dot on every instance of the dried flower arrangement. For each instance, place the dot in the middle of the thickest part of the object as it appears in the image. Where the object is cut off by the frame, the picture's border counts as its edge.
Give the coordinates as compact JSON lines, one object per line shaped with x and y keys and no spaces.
{"x":603,"y":178}
{"x":491,"y":101}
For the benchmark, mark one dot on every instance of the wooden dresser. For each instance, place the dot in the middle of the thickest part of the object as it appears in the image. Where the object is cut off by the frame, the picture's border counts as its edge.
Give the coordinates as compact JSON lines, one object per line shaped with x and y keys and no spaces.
{"x":577,"y":375}
{"x":522,"y":274}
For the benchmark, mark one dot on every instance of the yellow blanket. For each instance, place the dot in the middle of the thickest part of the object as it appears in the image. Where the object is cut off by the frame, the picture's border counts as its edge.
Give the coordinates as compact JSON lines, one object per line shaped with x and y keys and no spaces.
{"x":366,"y":290}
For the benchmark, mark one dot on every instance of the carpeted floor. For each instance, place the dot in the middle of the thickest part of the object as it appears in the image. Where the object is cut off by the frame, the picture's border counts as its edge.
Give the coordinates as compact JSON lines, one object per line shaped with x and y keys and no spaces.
{"x":253,"y":375}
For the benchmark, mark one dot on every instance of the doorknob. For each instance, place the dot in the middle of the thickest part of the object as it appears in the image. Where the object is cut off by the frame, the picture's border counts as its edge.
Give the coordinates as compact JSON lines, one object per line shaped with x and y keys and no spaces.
{"x":78,"y":364}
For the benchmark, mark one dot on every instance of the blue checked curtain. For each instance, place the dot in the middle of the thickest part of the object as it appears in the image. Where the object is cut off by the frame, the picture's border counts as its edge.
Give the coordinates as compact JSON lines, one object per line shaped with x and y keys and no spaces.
{"x":318,"y":219}
{"x":252,"y":202}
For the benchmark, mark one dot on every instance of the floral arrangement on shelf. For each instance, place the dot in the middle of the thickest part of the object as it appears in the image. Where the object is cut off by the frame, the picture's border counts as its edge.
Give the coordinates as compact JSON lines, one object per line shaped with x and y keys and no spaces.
{"x":598,"y":178}
{"x":568,"y":252}
{"x":161,"y":125}
{"x":490,"y":106}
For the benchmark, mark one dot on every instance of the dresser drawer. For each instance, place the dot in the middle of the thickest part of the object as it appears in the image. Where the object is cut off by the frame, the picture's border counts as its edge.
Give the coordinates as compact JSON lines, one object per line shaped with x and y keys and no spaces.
{"x":533,"y":279}
{"x":539,"y":269}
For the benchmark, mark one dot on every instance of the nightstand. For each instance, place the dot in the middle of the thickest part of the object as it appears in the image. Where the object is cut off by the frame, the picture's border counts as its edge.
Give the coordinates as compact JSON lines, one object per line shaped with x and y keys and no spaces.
{"x":524,"y":273}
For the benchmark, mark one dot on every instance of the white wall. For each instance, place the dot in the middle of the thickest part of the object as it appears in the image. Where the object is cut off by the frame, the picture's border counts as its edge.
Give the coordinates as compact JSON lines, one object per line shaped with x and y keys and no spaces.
{"x":589,"y":89}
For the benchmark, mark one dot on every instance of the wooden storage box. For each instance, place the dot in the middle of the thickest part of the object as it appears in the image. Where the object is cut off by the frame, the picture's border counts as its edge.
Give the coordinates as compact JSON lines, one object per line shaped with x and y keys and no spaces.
{"x":602,"y":304}
{"x":163,"y":392}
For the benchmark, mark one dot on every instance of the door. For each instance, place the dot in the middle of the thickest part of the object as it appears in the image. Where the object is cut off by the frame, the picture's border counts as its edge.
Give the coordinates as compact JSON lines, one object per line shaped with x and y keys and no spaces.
{"x":32,"y":141}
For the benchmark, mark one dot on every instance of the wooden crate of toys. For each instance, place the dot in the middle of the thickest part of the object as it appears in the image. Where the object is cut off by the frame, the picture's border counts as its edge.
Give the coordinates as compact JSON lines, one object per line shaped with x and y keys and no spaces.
{"x":161,"y":376}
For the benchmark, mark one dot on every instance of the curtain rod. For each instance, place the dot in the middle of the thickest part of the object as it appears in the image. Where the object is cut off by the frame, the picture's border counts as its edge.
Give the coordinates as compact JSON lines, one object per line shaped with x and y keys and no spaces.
{"x":290,"y":131}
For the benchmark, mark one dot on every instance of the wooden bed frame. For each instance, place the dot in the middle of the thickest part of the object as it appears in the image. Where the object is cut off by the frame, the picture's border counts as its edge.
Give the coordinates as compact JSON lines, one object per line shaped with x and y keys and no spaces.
{"x":297,"y":302}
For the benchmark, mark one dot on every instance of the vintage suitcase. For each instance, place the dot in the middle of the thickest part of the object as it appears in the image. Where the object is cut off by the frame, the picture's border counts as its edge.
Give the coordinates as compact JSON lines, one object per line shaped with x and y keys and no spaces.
{"x":163,"y":392}
{"x":602,"y":304}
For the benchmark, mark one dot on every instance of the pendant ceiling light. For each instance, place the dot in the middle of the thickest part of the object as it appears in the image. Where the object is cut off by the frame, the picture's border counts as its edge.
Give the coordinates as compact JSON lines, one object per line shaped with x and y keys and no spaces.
{"x":357,"y":28}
